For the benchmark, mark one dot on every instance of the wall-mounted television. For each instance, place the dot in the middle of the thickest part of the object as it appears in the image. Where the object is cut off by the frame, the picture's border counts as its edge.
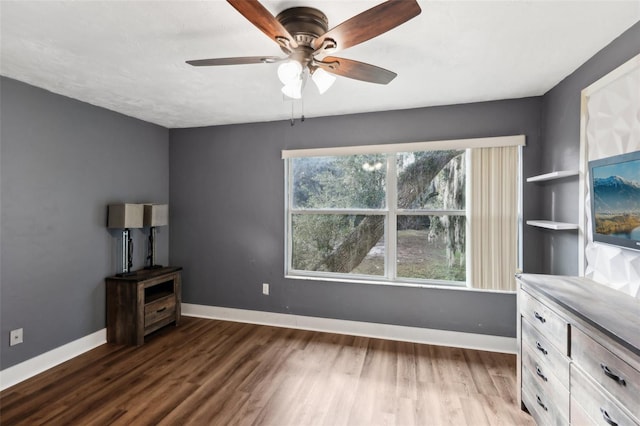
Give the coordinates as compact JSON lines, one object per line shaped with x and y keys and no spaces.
{"x":615,"y":200}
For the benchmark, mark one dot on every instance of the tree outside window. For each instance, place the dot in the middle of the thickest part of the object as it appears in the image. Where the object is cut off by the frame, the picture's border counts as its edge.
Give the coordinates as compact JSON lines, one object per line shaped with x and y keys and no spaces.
{"x":396,"y":217}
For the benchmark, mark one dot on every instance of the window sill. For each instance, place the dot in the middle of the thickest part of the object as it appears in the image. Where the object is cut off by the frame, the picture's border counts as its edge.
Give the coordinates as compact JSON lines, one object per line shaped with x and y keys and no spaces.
{"x":443,"y":285}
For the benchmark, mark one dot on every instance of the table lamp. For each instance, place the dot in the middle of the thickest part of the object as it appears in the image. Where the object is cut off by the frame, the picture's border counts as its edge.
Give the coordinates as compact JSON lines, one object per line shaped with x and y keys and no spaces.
{"x":154,"y":215}
{"x":125,"y":217}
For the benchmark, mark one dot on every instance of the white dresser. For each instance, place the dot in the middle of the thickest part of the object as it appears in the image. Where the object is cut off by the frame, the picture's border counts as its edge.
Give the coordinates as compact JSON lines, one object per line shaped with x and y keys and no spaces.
{"x":578,"y":352}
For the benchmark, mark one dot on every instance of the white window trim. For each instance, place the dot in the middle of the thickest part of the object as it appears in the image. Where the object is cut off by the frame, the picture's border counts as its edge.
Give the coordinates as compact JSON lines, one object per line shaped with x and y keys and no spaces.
{"x":461,"y":144}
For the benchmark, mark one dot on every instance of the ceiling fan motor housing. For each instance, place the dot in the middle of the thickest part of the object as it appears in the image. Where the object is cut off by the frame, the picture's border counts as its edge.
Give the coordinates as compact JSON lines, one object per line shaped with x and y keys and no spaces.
{"x":305,"y":24}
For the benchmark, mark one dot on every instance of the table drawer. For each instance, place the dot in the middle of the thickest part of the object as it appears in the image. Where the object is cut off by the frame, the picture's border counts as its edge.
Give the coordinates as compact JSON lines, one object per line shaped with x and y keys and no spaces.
{"x":159,"y":309}
{"x":541,"y":404}
{"x":599,"y":407}
{"x":550,"y":358}
{"x":616,"y":376}
{"x":549,"y":323}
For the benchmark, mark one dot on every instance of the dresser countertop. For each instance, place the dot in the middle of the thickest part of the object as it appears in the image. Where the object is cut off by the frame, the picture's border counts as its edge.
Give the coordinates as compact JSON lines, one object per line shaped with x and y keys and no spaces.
{"x":614,"y":313}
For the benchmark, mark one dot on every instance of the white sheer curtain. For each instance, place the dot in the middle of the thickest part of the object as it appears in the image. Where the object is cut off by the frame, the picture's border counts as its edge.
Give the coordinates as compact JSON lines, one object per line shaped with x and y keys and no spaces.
{"x":494,"y":217}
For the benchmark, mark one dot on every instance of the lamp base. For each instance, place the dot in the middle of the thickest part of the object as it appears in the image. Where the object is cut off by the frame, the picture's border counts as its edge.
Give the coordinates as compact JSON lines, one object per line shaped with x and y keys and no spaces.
{"x":125,"y":274}
{"x":153,"y":267}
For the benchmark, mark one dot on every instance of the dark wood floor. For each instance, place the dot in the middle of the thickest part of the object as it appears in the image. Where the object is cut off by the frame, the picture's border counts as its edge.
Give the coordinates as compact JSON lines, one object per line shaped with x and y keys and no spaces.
{"x":208,"y":372}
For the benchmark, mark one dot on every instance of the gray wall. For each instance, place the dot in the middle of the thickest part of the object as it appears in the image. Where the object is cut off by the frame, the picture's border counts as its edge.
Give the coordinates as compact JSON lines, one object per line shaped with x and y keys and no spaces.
{"x":61,"y":162}
{"x":227,"y":211}
{"x":561,"y":149}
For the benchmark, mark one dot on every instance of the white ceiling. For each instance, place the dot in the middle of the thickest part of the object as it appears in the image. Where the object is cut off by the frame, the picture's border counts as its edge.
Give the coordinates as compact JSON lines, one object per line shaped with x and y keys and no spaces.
{"x":128,"y":56}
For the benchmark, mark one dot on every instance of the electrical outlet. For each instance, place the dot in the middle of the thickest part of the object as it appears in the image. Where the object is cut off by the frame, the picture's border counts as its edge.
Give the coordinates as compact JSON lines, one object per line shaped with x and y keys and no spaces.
{"x":265,"y":288}
{"x":15,"y":337}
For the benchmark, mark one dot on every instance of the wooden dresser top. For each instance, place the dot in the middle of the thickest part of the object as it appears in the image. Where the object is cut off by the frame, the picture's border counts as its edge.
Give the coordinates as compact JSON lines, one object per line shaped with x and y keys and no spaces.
{"x":614,"y":313}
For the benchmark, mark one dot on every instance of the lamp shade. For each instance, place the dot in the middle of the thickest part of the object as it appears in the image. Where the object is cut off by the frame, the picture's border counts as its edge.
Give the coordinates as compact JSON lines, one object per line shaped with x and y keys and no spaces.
{"x":156,"y":214}
{"x":123,"y":216}
{"x":289,"y":72}
{"x":323,"y":80}
{"x":293,"y":90}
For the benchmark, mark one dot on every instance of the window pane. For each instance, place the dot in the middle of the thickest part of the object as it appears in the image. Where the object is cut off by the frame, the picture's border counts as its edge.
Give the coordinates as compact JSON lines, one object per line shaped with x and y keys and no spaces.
{"x":431,"y":180}
{"x":346,"y":244}
{"x":354,"y":181}
{"x":431,"y":247}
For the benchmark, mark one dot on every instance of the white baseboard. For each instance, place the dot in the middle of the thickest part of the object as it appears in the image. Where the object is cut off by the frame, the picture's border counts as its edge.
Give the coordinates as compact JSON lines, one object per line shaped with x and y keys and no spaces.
{"x":29,"y":368}
{"x":429,"y":336}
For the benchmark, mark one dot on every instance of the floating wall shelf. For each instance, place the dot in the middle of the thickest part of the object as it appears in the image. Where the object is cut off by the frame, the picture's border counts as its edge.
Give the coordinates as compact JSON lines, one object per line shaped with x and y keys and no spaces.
{"x":549,"y":224}
{"x":553,"y":175}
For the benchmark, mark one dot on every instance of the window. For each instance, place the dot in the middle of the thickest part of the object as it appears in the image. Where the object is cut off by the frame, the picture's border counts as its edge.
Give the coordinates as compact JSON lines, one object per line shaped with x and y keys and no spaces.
{"x":392,"y":216}
{"x":441,"y":212}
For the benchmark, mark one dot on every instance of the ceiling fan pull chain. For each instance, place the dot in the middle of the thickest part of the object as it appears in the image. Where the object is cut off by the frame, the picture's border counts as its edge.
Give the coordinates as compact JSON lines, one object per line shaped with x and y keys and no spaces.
{"x":292,"y":119}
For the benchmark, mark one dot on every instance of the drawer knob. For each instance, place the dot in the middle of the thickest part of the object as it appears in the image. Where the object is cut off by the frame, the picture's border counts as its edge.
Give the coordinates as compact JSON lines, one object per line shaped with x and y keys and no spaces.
{"x":606,"y":417}
{"x":539,"y":317}
{"x":540,"y":348}
{"x":540,"y":403}
{"x":161,"y":310}
{"x":539,"y":373}
{"x":610,"y":374}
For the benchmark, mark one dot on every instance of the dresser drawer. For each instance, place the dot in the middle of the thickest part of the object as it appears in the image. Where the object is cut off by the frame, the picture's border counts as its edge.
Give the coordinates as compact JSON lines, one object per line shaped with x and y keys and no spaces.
{"x":549,"y":358}
{"x":552,"y":326}
{"x":579,"y":416}
{"x":541,"y":404}
{"x":613,"y":374}
{"x":159,"y":310}
{"x":598,"y":406}
{"x":552,"y":386}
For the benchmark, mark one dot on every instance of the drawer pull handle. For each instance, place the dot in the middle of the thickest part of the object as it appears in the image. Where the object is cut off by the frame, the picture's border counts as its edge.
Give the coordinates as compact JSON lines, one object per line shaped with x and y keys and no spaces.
{"x":540,"y":348}
{"x":161,"y":310}
{"x":539,"y":373}
{"x":540,"y":403}
{"x":539,"y":317}
{"x":610,"y":374}
{"x":606,"y":417}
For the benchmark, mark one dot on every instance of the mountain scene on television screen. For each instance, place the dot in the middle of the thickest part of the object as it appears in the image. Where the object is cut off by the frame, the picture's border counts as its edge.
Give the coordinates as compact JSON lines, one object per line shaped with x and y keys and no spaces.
{"x":617,"y":206}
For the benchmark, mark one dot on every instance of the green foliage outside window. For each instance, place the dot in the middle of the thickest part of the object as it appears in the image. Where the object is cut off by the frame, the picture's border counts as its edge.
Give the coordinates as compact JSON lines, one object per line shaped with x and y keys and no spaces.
{"x":328,"y":239}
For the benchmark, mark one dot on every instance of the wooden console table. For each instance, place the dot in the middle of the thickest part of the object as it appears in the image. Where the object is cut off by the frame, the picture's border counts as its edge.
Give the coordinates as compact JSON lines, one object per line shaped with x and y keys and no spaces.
{"x":141,"y":303}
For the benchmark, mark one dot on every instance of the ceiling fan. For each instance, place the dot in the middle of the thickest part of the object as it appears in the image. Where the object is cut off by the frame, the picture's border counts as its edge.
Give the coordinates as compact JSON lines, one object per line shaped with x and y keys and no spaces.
{"x":302,"y":34}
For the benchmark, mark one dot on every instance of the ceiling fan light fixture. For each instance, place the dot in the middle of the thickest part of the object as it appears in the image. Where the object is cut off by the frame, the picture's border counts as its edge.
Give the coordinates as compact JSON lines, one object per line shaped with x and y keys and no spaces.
{"x":323,"y":80}
{"x":293,"y":90}
{"x":305,"y":38}
{"x":289,"y":72}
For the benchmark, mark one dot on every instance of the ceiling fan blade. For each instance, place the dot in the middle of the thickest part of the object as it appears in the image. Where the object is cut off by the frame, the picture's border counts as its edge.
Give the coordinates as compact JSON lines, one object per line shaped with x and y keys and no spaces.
{"x":236,"y":61}
{"x":259,"y":16}
{"x":369,"y":24}
{"x":356,"y":70}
